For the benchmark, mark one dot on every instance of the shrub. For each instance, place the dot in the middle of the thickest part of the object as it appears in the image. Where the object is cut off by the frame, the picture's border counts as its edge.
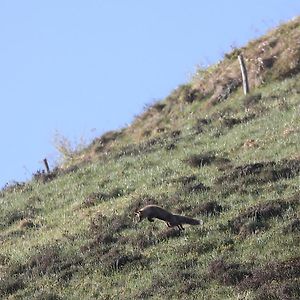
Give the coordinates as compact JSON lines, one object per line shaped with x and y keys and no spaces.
{"x":187,"y":94}
{"x":49,"y":259}
{"x":42,"y":295}
{"x":200,"y":160}
{"x":9,"y":285}
{"x":210,"y":208}
{"x":293,"y":226}
{"x":228,"y":273}
{"x":273,"y":271}
{"x":252,"y":99}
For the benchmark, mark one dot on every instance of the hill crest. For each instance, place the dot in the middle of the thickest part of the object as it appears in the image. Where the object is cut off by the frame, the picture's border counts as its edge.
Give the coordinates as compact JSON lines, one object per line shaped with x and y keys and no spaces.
{"x":206,"y":151}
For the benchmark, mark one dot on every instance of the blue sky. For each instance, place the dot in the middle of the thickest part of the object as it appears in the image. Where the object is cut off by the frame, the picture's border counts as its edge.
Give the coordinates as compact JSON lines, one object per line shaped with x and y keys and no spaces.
{"x":81,"y":68}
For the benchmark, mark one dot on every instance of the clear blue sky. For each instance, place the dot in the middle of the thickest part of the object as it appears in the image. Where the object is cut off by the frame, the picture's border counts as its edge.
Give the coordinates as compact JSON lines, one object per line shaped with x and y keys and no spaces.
{"x":81,"y":68}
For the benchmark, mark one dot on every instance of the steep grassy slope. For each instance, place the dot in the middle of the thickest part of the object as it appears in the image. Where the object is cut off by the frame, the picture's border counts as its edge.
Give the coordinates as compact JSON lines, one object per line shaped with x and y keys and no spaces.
{"x":205,"y":151}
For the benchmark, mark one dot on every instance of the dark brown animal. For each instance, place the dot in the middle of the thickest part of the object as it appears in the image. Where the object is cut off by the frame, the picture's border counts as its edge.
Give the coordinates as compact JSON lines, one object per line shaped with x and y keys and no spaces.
{"x":153,"y":211}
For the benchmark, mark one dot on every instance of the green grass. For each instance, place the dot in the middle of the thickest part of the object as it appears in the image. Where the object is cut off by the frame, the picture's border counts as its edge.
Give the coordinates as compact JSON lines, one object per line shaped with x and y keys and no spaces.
{"x":75,"y":236}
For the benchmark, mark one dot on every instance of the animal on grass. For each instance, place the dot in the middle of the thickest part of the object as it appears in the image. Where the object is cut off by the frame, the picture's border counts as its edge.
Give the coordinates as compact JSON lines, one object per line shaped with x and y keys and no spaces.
{"x":153,"y":211}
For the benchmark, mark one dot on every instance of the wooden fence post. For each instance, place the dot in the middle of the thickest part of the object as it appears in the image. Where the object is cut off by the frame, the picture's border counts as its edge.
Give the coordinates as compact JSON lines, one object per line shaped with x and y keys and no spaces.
{"x":244,"y":74}
{"x":46,"y":165}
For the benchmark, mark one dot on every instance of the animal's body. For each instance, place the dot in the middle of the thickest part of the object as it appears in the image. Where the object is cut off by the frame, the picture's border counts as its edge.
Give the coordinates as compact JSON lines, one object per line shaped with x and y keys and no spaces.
{"x":153,"y":211}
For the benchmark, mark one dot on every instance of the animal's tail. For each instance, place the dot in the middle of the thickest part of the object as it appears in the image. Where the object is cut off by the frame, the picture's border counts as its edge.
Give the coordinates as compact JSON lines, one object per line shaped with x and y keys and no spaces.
{"x":188,"y":220}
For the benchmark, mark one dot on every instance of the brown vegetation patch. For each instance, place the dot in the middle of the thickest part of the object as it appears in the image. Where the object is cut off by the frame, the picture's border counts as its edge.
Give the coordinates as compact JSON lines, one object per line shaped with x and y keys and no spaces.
{"x":27,"y":223}
{"x":51,"y":260}
{"x":262,"y":172}
{"x":254,"y":219}
{"x":10,"y":285}
{"x":210,"y":208}
{"x":198,"y":248}
{"x":170,"y":147}
{"x":196,"y":188}
{"x":250,"y":143}
{"x":179,"y":279}
{"x":252,"y":227}
{"x":184,"y":180}
{"x":117,"y":258}
{"x":105,"y":235}
{"x":14,"y":216}
{"x":169,"y":233}
{"x":293,"y":226}
{"x":48,"y":260}
{"x":167,"y":140}
{"x":228,"y":273}
{"x":107,"y":248}
{"x":103,"y":230}
{"x":232,"y":121}
{"x":42,"y":295}
{"x":102,"y":143}
{"x":201,"y":160}
{"x":274,"y":280}
{"x":142,"y":239}
{"x":159,"y":106}
{"x":201,"y":125}
{"x":44,"y":177}
{"x":93,"y":199}
{"x":159,"y":285}
{"x":284,"y":290}
{"x":175,"y":133}
{"x":141,"y":148}
{"x":4,"y":259}
{"x":187,"y":94}
{"x":97,"y":197}
{"x":288,"y":63}
{"x":223,"y":91}
{"x":145,"y":238}
{"x":14,"y":186}
{"x":17,"y":215}
{"x":285,"y":273}
{"x":252,"y":99}
{"x":190,"y":282}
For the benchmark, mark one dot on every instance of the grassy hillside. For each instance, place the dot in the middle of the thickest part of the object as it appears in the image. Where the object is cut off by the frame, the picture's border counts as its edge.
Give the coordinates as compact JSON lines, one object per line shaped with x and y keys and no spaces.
{"x":206,"y":151}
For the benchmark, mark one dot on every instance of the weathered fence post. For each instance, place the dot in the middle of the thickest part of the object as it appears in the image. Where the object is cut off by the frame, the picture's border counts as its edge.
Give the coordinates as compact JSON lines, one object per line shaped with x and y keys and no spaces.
{"x":46,"y":165}
{"x":244,"y":74}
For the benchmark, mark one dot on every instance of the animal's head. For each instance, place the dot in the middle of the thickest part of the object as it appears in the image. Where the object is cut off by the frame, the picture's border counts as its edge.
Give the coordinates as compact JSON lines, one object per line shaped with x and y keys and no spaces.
{"x":139,"y":215}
